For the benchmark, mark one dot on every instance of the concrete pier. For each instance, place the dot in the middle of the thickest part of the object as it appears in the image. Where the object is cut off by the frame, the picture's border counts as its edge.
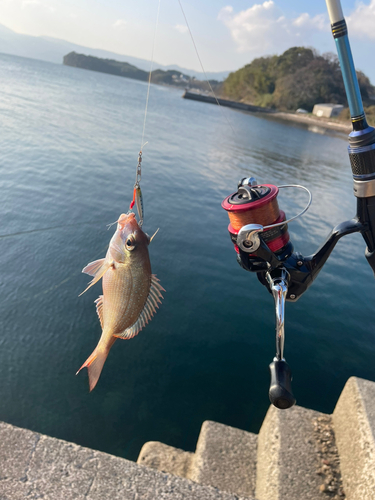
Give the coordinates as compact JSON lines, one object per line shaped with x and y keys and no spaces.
{"x":195,"y":96}
{"x":299,"y":454}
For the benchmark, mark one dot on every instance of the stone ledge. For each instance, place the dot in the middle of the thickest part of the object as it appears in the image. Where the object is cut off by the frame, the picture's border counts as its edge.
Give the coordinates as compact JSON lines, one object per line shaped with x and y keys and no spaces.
{"x":287,"y":460}
{"x":225,"y":457}
{"x":37,"y":466}
{"x":354,"y":425}
{"x":166,"y":458}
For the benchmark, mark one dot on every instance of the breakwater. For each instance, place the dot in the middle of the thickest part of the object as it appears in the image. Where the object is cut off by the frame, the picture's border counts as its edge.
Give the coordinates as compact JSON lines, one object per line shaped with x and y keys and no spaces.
{"x":195,"y":96}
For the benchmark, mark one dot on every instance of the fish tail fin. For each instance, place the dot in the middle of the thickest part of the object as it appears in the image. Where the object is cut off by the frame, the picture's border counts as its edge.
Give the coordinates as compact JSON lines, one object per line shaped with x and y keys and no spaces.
{"x":95,"y":363}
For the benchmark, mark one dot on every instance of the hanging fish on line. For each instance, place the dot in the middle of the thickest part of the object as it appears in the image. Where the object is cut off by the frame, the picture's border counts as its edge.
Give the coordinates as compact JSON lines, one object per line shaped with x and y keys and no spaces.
{"x":131,"y":293}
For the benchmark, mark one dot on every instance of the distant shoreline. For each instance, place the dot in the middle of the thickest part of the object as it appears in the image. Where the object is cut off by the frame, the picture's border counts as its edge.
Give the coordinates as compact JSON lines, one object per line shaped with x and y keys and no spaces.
{"x":307,"y":119}
{"x":313,"y":120}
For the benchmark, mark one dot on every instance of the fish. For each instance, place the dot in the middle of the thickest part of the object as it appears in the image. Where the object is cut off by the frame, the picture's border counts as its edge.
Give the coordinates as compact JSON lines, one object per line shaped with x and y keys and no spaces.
{"x":131,"y":293}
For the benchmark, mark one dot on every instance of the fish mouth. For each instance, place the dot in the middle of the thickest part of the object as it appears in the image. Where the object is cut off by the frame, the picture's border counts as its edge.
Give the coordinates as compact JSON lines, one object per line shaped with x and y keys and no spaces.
{"x":125,"y":219}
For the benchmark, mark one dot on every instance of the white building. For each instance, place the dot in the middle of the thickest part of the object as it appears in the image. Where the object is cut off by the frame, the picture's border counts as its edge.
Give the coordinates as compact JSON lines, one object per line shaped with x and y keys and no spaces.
{"x":327,"y":110}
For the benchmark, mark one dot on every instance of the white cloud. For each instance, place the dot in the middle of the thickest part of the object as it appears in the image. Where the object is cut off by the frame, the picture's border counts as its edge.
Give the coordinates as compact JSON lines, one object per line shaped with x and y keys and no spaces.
{"x":27,"y":3}
{"x":361,"y":22}
{"x":318,"y":22}
{"x":37,"y":4}
{"x":181,"y":28}
{"x":264,"y":28}
{"x":120,"y":23}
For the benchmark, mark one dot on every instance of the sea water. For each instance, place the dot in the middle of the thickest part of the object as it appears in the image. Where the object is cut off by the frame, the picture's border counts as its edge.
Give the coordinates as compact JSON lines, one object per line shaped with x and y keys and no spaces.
{"x":69,"y":141}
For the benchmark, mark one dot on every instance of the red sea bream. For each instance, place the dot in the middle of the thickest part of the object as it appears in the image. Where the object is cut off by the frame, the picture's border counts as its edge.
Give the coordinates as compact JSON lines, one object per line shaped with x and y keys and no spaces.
{"x":130,"y":292}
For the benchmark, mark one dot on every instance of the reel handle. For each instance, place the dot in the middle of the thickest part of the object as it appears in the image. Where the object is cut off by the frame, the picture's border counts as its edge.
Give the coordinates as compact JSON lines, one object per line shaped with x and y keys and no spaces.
{"x":280,"y":392}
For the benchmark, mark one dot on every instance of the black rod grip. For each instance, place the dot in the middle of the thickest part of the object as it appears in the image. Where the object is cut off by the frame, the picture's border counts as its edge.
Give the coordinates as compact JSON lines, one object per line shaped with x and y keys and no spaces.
{"x":280,"y":392}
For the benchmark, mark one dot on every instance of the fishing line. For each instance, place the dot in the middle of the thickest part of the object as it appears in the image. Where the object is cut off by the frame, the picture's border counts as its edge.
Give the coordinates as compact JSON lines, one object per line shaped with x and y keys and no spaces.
{"x":65,"y":280}
{"x":45,"y":229}
{"x":205,"y":75}
{"x":137,"y":193}
{"x":111,"y":224}
{"x":149,"y":76}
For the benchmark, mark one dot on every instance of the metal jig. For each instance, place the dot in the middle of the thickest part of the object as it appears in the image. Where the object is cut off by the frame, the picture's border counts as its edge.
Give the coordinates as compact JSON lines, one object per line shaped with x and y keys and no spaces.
{"x":137,"y":193}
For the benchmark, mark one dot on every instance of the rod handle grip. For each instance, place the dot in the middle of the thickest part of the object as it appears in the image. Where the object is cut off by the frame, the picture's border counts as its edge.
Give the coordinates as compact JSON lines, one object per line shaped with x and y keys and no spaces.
{"x":280,"y":392}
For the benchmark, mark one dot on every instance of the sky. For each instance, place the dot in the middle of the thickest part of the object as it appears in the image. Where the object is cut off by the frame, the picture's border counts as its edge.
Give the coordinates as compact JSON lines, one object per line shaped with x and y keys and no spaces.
{"x":228,"y":33}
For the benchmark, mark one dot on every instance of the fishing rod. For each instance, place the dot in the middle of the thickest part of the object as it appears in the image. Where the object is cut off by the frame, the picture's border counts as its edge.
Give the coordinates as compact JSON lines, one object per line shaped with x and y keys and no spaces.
{"x":259,"y":229}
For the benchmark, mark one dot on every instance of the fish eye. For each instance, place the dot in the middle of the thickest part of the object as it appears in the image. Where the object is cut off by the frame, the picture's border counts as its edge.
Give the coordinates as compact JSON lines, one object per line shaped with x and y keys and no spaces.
{"x":130,"y":243}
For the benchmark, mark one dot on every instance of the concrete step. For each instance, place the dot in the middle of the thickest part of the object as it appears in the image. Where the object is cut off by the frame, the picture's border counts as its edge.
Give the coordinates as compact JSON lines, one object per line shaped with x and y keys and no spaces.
{"x":297,"y":457}
{"x":37,"y":466}
{"x":225,"y":458}
{"x":294,"y":457}
{"x":166,"y":458}
{"x":354,"y":424}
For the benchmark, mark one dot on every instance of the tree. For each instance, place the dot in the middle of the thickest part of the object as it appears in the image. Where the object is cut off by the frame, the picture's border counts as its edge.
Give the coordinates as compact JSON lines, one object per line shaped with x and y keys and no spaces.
{"x":300,"y":77}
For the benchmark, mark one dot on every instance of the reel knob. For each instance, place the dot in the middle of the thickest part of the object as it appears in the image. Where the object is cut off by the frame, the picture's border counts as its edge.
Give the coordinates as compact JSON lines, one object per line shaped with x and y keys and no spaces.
{"x":247,"y":181}
{"x":280,"y":392}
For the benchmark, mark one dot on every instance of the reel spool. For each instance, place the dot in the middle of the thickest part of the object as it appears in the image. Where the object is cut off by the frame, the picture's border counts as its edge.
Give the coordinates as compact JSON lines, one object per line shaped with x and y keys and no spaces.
{"x":257,"y":204}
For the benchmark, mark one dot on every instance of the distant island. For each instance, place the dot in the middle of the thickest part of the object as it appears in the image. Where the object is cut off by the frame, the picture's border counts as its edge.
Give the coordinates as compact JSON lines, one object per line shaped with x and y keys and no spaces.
{"x":112,"y":67}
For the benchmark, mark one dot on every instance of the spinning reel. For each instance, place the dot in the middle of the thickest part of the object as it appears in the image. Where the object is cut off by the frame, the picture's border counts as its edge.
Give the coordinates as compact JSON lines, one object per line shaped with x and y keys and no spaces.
{"x":259,"y":230}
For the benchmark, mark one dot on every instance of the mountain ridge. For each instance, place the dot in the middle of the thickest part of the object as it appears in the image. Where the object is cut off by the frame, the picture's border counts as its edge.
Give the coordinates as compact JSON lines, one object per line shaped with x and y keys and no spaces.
{"x":53,"y":50}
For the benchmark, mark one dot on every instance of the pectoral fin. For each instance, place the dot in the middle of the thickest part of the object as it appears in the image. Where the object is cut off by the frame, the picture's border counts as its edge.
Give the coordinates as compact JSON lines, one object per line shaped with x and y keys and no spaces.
{"x":99,"y":274}
{"x":93,"y":267}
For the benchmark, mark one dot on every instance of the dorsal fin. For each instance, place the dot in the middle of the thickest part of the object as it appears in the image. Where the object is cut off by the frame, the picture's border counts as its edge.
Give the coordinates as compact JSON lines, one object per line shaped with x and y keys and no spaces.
{"x":155,"y":233}
{"x":99,"y":309}
{"x":148,"y":310}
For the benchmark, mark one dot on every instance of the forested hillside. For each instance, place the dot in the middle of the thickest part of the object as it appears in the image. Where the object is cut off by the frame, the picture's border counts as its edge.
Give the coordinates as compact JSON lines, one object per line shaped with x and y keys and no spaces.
{"x":299,"y":78}
{"x":169,"y":77}
{"x":113,"y":67}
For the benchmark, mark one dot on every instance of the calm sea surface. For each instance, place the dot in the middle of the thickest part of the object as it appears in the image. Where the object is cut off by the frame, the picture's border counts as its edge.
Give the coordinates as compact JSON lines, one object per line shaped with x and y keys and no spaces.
{"x":69,"y":141}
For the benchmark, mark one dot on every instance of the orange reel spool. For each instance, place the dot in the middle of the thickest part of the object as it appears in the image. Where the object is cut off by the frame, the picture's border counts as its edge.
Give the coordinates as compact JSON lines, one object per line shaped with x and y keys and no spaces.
{"x":257,"y":205}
